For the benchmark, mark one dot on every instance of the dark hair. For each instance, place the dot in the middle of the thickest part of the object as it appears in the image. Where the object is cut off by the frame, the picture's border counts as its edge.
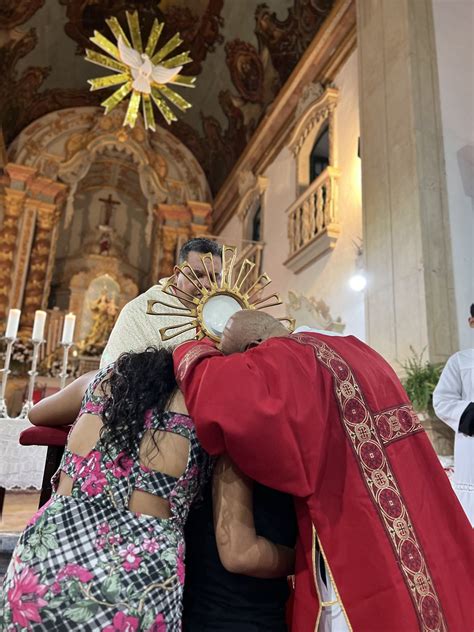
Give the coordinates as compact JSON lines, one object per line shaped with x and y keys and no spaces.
{"x":472,"y":310}
{"x":138,"y":382}
{"x":199,"y":244}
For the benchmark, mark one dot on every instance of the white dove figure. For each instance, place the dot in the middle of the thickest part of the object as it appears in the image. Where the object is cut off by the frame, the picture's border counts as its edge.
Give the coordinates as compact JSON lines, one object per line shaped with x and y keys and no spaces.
{"x":144,"y":72}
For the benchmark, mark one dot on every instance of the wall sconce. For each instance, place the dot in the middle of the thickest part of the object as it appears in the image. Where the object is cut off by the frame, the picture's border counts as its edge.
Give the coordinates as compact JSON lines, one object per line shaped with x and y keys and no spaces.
{"x":358,"y":280}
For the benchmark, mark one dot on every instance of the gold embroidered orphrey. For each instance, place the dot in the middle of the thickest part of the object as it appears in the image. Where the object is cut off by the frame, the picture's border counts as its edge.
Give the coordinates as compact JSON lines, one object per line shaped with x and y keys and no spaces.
{"x":360,"y":425}
{"x":230,"y":284}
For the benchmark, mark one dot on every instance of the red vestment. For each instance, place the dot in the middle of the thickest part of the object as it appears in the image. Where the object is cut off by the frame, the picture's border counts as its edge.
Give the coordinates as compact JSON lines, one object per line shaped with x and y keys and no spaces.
{"x":326,"y":420}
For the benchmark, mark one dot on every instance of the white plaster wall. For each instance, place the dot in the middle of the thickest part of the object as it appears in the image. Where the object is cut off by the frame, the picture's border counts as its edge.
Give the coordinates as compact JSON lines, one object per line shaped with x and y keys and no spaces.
{"x":454,"y":29}
{"x":232,"y":232}
{"x":327,"y":278}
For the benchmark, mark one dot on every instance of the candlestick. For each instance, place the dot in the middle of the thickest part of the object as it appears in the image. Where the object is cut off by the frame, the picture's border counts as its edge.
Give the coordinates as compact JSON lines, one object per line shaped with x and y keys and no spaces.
{"x":28,"y":405}
{"x":63,"y":375}
{"x":38,"y":325}
{"x":68,"y":329}
{"x":12,"y":323}
{"x":6,"y":372}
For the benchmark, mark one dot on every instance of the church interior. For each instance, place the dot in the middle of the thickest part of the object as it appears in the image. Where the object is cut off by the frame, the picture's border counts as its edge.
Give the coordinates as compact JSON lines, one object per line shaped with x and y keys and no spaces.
{"x":330,"y":141}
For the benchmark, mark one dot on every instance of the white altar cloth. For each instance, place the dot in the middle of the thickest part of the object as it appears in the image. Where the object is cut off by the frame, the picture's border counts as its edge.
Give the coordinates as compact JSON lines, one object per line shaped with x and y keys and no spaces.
{"x":21,"y":467}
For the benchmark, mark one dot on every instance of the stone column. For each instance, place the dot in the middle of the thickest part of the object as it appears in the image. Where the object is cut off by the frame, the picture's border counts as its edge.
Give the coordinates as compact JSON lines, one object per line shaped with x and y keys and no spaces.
{"x":14,"y":201}
{"x":410,"y":295}
{"x":201,"y":213}
{"x":172,"y":226}
{"x":36,"y":295}
{"x":15,"y":194}
{"x":169,"y":241}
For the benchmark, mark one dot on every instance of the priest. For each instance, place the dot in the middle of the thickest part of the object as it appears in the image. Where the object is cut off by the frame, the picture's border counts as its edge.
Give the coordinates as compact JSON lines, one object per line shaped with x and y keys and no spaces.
{"x":135,"y":330}
{"x":326,"y":419}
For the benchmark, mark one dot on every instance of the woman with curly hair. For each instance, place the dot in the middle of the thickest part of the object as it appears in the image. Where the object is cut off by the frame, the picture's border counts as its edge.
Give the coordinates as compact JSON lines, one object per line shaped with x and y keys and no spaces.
{"x":106,"y":551}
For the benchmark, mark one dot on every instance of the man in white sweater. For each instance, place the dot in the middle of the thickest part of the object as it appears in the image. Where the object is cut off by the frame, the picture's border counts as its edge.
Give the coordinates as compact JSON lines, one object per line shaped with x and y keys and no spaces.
{"x":135,"y":330}
{"x":453,"y":401}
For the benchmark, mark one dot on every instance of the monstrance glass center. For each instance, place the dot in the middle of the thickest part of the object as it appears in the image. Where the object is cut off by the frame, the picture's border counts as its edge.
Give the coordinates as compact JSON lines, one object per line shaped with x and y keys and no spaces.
{"x":216,"y":312}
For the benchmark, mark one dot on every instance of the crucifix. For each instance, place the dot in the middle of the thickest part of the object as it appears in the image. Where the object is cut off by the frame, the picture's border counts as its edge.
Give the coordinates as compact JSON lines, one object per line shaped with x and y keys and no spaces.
{"x":109,"y":204}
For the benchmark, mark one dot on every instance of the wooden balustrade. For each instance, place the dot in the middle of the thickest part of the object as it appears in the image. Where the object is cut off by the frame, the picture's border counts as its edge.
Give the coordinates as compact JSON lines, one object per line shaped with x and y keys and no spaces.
{"x":312,"y":221}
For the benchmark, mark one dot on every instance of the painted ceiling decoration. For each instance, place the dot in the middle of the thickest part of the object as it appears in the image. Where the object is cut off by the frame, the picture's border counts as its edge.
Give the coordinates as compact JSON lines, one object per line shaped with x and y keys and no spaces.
{"x":242,"y":52}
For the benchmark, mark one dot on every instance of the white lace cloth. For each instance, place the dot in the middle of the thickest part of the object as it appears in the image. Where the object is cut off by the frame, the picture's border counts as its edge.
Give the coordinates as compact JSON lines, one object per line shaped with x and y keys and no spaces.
{"x":21,"y":467}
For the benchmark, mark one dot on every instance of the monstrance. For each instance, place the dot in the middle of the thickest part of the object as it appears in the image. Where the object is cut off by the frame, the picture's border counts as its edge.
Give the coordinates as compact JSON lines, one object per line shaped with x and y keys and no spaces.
{"x":209,"y":310}
{"x":141,"y":71}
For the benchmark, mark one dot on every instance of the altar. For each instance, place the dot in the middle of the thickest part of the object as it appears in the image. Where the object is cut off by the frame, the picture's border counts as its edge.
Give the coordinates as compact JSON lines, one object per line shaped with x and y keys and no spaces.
{"x":21,"y":467}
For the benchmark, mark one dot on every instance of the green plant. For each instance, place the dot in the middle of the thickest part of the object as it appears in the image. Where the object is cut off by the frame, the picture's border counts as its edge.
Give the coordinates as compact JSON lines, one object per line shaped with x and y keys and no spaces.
{"x":421,"y":378}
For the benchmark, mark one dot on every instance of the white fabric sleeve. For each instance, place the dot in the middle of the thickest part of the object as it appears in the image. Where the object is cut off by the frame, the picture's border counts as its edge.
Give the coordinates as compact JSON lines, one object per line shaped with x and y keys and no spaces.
{"x":448,"y":403}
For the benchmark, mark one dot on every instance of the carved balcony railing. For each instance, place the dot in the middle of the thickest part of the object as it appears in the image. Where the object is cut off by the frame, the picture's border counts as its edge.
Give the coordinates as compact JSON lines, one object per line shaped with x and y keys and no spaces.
{"x":313,"y":226}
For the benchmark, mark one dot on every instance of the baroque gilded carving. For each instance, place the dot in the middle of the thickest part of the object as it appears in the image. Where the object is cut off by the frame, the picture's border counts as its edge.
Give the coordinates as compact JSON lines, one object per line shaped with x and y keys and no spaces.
{"x":47,"y":217}
{"x":246,"y":70}
{"x":199,"y":27}
{"x":316,"y":106}
{"x":251,"y":190}
{"x":13,"y":201}
{"x":16,"y":12}
{"x":311,"y":93}
{"x":96,"y":266}
{"x":255,"y":67}
{"x":312,"y":312}
{"x":165,"y":170}
{"x":169,"y":241}
{"x":22,"y":256}
{"x":286,"y":40}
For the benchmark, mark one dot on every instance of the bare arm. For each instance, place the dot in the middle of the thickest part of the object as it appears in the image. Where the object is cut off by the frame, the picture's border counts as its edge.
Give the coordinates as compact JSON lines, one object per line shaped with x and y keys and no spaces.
{"x":241,"y":550}
{"x":62,"y":408}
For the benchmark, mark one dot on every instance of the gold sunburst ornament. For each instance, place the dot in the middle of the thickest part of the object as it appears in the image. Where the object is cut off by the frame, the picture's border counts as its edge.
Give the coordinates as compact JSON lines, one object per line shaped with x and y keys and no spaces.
{"x":140,"y":71}
{"x":209,"y":311}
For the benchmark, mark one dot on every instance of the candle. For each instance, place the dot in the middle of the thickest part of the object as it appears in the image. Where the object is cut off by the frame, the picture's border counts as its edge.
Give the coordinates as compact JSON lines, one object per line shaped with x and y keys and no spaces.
{"x":13,"y":322}
{"x":38,"y":325}
{"x":68,"y":329}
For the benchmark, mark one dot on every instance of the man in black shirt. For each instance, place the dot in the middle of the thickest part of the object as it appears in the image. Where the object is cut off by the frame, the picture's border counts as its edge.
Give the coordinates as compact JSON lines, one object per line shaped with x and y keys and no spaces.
{"x":216,"y":600}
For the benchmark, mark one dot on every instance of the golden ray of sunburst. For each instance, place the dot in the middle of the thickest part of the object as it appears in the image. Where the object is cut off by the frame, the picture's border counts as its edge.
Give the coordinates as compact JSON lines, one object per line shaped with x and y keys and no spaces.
{"x":231,"y":283}
{"x":160,"y":94}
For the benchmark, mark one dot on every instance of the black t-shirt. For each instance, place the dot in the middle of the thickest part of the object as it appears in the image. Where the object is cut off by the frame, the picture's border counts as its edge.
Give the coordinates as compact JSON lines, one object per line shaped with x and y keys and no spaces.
{"x":218,"y":601}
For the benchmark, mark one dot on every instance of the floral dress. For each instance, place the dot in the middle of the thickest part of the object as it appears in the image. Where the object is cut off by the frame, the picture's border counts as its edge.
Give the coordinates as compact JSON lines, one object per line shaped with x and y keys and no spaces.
{"x":86,"y":562}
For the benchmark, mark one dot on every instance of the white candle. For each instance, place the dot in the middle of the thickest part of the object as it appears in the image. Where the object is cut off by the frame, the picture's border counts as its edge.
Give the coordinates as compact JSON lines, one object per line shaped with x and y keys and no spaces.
{"x":68,"y":329}
{"x":38,"y":325}
{"x":13,"y":322}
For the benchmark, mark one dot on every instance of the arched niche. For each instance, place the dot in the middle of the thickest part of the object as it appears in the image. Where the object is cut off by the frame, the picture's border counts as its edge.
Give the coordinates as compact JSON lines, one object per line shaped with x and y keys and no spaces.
{"x":315,"y":113}
{"x":63,"y":145}
{"x":102,"y":289}
{"x":252,"y":199}
{"x":87,"y":284}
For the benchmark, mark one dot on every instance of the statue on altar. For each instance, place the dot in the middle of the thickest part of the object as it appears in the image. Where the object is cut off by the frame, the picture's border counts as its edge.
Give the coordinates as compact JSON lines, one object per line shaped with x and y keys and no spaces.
{"x":104,"y":312}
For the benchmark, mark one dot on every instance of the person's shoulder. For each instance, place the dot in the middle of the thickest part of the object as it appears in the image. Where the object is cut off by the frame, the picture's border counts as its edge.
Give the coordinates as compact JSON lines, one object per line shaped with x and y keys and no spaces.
{"x":155,"y":289}
{"x":464,"y":358}
{"x":304,"y":329}
{"x":144,"y":297}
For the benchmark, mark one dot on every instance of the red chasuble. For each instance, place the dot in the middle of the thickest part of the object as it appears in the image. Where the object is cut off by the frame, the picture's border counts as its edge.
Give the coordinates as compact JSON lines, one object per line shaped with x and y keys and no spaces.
{"x":326,"y":420}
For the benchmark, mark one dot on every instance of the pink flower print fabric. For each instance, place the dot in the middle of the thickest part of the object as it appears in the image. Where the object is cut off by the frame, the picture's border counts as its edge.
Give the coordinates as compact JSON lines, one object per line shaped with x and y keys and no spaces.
{"x":87,"y":560}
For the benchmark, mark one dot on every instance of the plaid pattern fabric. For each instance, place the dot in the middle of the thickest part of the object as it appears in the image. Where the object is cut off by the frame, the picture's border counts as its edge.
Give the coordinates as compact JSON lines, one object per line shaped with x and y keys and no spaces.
{"x":85,"y":562}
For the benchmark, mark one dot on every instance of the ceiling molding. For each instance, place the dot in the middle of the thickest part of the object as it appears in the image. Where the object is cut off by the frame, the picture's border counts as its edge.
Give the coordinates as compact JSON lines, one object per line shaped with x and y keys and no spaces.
{"x":331,"y":47}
